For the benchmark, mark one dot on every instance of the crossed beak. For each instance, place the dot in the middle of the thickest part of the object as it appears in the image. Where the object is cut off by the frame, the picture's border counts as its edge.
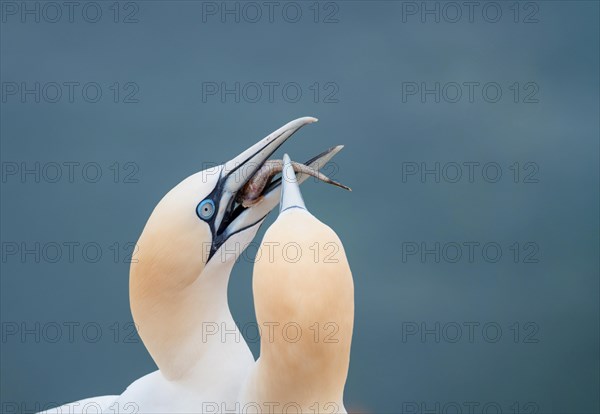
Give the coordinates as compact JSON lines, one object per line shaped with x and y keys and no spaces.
{"x":231,"y":217}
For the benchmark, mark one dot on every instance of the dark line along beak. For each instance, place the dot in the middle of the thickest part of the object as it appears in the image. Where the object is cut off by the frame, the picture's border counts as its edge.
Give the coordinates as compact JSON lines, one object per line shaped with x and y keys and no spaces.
{"x":236,"y":172}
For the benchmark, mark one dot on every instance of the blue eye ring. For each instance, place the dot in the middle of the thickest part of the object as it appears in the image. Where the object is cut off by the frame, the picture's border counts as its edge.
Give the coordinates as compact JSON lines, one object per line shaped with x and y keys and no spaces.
{"x":206,"y":209}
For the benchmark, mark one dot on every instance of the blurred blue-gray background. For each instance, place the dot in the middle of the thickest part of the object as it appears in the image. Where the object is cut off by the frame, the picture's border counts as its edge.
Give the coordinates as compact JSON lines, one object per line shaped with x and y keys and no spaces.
{"x":471,"y":136}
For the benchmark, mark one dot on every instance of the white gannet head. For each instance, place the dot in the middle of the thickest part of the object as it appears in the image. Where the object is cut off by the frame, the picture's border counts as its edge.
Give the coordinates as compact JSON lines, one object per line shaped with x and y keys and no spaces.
{"x":304,"y":286}
{"x":180,"y":271}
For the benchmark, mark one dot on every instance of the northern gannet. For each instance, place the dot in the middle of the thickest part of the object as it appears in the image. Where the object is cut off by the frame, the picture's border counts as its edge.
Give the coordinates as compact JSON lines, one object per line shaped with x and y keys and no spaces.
{"x":178,"y":286}
{"x":305,"y":369}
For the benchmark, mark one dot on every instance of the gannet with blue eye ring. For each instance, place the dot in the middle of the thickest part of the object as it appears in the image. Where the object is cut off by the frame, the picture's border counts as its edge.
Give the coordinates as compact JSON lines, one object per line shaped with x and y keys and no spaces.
{"x":178,"y":285}
{"x":305,"y":368}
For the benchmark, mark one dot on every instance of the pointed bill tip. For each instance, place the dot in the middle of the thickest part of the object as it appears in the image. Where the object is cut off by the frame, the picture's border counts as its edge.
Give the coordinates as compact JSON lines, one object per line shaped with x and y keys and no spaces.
{"x":336,"y":149}
{"x":300,"y":122}
{"x":291,"y":197}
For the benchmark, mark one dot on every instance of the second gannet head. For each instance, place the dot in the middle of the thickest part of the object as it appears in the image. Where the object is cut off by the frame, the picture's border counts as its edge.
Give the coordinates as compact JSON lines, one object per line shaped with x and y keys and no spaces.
{"x":309,"y":294}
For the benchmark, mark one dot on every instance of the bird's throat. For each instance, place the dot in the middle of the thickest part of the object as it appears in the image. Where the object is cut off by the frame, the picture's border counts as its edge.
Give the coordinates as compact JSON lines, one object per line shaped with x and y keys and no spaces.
{"x":182,"y":326}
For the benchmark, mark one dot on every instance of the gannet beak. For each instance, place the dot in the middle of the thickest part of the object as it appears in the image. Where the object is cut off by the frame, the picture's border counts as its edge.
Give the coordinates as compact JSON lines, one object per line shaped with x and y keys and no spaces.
{"x":291,"y":197}
{"x":231,"y":217}
{"x":240,"y":169}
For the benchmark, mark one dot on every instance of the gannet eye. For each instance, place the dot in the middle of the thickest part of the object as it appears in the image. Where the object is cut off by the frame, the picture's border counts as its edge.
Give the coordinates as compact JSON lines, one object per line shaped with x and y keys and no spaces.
{"x":206,"y":209}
